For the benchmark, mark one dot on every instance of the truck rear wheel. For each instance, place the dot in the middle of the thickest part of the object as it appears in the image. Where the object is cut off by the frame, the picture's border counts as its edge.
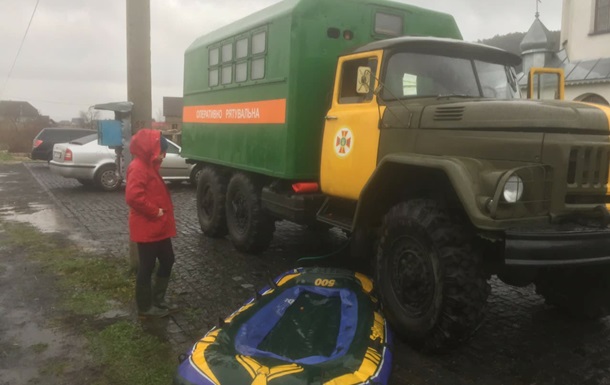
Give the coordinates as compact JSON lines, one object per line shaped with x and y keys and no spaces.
{"x":581,"y":292}
{"x":211,"y":197}
{"x":250,"y":227}
{"x":431,"y":282}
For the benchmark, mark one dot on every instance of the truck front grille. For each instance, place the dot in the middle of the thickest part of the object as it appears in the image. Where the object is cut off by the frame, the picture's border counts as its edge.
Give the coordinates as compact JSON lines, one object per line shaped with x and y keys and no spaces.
{"x":588,"y":167}
{"x":588,"y":176}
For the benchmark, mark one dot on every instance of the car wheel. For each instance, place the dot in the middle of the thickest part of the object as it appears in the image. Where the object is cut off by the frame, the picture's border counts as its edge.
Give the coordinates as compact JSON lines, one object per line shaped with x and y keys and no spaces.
{"x":211,"y":196}
{"x":430,"y":279}
{"x":107,"y":179}
{"x":195,"y":173}
{"x":250,"y":227}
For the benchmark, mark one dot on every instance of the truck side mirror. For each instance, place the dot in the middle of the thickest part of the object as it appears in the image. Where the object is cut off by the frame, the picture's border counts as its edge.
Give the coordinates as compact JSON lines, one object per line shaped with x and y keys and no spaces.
{"x":363,"y":80}
{"x":546,"y":83}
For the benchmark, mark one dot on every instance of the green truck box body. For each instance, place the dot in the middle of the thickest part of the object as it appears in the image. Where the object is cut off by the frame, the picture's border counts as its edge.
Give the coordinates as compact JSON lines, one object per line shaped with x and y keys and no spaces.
{"x":299,"y":67}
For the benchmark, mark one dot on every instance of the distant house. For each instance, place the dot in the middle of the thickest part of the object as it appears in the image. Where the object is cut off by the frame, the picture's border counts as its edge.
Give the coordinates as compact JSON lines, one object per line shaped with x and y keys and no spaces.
{"x":19,"y":112}
{"x":77,"y":122}
{"x":584,"y":54}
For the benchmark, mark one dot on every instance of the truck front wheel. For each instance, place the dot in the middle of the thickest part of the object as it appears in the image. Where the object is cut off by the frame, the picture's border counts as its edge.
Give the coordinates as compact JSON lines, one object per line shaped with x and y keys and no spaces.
{"x":211,"y":196}
{"x":583,"y":292}
{"x":430,"y":280}
{"x":250,"y":227}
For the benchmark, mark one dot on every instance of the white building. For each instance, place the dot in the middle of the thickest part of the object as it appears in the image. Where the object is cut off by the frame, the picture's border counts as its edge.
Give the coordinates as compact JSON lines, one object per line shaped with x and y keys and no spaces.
{"x":584,"y":53}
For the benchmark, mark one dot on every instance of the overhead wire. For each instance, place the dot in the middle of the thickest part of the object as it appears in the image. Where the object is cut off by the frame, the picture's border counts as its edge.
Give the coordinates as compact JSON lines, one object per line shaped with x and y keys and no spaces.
{"x":10,"y":72}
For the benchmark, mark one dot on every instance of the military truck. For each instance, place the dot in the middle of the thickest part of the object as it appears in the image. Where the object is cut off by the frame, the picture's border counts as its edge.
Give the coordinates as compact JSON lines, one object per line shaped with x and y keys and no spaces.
{"x":375,"y":117}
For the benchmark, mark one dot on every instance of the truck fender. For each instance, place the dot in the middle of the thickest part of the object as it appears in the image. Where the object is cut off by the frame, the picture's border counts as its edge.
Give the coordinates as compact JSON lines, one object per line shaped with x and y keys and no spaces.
{"x":401,"y":176}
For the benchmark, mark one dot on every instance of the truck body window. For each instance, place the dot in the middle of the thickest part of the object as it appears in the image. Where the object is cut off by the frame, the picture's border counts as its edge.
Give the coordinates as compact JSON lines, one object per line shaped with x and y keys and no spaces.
{"x":227,"y":74}
{"x":213,"y":57}
{"x":241,"y":48}
{"x":213,"y":62}
{"x":387,"y":24}
{"x":241,"y":72}
{"x":259,"y":43}
{"x":213,"y":78}
{"x":258,"y":68}
{"x":227,"y":53}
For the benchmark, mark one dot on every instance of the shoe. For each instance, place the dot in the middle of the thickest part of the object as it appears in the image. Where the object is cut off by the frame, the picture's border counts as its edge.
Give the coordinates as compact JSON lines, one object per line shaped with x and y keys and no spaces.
{"x":144,"y":300}
{"x":159,"y":290}
{"x":153,"y":312}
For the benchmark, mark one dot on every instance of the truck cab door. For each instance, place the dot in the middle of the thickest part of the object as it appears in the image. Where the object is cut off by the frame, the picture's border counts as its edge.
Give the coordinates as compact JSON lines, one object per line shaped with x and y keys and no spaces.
{"x":546,"y":83}
{"x":351,"y":131}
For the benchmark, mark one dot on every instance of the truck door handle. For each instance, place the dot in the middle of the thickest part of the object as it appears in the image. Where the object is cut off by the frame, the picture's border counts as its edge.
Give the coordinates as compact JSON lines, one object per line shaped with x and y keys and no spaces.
{"x":328,"y":117}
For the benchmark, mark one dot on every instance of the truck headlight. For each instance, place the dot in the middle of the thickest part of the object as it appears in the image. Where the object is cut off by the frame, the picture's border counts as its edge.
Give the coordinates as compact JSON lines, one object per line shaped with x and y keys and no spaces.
{"x":513,"y":189}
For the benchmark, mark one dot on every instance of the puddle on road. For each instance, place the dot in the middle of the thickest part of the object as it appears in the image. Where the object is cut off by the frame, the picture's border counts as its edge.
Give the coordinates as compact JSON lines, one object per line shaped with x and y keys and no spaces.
{"x":43,"y":217}
{"x":48,"y":220}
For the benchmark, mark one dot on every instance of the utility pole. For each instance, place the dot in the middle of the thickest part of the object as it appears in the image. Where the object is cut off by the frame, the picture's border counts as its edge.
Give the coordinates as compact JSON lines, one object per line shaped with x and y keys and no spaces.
{"x":138,"y":76}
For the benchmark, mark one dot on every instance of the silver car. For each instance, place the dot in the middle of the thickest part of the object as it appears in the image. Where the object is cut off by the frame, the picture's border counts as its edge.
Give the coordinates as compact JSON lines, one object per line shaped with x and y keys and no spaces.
{"x":93,"y":164}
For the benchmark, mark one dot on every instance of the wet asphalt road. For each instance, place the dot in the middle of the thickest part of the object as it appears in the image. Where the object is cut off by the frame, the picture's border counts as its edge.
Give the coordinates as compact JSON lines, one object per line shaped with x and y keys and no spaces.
{"x":522,"y":341}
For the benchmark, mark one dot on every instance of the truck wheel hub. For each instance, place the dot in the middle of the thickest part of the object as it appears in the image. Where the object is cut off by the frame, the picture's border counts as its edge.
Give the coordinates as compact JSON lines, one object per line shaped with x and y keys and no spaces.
{"x":413,"y":278}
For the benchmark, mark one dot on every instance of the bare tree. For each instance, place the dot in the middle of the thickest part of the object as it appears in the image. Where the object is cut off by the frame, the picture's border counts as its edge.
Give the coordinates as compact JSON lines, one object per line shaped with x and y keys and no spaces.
{"x":89,"y":118}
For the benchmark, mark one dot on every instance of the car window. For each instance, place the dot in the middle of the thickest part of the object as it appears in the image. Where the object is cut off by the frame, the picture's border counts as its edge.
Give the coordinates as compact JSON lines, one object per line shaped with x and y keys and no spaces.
{"x":84,"y":139}
{"x":42,"y":135}
{"x":172,"y":149}
{"x":61,"y":137}
{"x":79,"y":133}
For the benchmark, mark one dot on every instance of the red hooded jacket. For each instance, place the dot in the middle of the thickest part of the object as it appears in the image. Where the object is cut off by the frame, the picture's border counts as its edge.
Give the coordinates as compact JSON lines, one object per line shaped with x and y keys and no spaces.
{"x":146,"y":191}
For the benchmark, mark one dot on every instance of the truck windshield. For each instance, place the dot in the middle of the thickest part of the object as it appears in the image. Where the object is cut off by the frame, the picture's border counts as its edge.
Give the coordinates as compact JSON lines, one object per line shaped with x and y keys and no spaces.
{"x":410,"y":75}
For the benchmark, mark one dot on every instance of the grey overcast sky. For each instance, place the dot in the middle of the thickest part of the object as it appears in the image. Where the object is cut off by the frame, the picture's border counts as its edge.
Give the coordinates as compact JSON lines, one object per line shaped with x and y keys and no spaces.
{"x":74,"y":54}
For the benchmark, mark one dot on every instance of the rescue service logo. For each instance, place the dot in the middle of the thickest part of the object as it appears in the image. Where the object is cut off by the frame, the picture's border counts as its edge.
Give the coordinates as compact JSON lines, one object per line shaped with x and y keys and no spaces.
{"x":344,"y":141}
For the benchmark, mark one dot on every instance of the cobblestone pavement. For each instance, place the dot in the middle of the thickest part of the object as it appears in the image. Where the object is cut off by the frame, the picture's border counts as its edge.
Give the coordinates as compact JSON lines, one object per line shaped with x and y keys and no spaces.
{"x":523,"y":341}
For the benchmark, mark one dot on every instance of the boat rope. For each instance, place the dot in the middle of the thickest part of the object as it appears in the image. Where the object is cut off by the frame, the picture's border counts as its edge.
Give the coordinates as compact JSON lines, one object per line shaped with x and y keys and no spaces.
{"x":321,"y":257}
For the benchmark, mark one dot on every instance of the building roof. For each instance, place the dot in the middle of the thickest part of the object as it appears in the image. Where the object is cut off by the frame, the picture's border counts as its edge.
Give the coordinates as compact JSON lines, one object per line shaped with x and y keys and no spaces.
{"x":538,"y":38}
{"x":579,"y":72}
{"x":172,"y":107}
{"x":17,"y":108}
{"x":587,"y":71}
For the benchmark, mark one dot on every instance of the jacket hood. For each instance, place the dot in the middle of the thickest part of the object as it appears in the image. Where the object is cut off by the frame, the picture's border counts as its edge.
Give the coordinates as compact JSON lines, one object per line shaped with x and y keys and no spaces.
{"x":145,"y":144}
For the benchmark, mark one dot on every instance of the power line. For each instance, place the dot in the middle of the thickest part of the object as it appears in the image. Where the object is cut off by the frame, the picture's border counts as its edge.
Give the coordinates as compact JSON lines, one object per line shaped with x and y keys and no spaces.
{"x":10,"y":72}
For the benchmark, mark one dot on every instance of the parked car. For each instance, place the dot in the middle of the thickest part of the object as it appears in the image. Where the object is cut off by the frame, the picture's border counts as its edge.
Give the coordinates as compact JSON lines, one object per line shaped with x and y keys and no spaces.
{"x":92,"y":164}
{"x":42,"y":146}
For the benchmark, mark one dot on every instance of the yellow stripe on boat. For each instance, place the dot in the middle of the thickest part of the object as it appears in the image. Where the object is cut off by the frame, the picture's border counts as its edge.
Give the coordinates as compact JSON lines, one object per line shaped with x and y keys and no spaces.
{"x":198,"y":356}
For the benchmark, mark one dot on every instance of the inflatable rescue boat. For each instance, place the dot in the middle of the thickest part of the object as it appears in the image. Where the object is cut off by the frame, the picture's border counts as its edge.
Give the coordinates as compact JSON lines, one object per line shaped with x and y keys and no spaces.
{"x":309,"y":326}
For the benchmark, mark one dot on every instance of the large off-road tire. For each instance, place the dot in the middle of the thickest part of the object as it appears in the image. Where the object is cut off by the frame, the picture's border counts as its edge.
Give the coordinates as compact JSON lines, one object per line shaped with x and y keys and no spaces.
{"x":107,"y":179}
{"x":250,"y":227}
{"x":581,"y":292}
{"x":211,"y":199}
{"x":430,"y":279}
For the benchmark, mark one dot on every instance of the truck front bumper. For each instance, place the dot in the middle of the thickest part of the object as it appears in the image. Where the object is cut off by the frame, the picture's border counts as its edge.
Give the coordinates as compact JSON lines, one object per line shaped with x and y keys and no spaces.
{"x":557,"y":246}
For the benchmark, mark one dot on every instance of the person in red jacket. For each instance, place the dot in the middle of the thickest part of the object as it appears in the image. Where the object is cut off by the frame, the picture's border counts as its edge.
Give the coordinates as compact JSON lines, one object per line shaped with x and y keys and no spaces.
{"x":151,"y":221}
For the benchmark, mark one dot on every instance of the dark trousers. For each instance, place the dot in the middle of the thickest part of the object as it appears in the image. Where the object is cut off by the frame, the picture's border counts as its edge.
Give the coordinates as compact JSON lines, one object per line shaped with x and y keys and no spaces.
{"x":149,"y":253}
